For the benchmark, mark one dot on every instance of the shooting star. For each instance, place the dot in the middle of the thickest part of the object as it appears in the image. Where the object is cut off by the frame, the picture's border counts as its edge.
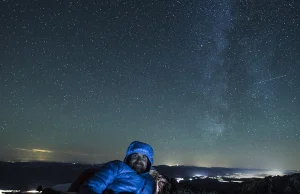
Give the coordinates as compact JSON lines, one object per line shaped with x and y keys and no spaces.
{"x":268,"y":80}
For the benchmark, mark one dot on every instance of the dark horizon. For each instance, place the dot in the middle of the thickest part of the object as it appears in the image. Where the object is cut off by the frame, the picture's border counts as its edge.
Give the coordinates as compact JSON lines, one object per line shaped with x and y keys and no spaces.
{"x":178,"y":165}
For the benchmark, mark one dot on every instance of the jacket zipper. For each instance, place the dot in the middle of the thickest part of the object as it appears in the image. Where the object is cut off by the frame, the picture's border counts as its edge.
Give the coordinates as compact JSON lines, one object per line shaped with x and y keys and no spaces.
{"x":144,"y":186}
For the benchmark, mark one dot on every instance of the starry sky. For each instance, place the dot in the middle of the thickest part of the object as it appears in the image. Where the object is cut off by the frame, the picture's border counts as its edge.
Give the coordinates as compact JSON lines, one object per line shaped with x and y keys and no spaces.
{"x":206,"y":83}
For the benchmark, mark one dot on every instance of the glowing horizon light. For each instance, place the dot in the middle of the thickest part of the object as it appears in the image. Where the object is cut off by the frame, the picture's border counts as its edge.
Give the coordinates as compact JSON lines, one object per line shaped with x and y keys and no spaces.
{"x":32,"y":191}
{"x":275,"y":173}
{"x":35,"y":150}
{"x":9,"y":191}
{"x":40,"y":150}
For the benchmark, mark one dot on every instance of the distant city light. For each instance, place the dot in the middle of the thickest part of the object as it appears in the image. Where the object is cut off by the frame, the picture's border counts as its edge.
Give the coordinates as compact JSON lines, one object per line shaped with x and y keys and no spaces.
{"x":237,"y":181}
{"x":17,"y":191}
{"x":221,"y":180}
{"x":179,"y":179}
{"x":243,"y":176}
{"x":197,"y":175}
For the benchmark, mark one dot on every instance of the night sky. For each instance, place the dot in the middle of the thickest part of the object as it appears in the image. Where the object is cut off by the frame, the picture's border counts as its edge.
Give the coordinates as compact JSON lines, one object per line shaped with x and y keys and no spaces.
{"x":206,"y":83}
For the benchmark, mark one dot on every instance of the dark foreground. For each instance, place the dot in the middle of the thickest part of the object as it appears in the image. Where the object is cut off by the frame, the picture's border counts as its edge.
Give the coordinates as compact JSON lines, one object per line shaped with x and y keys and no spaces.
{"x":288,"y":184}
{"x":28,"y":176}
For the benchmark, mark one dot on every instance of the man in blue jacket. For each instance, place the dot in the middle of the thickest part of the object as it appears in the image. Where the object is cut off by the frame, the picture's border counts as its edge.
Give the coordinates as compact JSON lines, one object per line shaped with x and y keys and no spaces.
{"x":130,"y":176}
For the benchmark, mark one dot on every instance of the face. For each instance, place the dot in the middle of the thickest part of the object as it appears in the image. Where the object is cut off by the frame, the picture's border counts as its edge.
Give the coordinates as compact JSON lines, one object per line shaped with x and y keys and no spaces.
{"x":138,"y":162}
{"x":160,"y":183}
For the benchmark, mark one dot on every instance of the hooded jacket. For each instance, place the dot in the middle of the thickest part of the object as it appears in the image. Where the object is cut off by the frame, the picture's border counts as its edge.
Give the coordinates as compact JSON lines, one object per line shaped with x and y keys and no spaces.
{"x":117,"y":177}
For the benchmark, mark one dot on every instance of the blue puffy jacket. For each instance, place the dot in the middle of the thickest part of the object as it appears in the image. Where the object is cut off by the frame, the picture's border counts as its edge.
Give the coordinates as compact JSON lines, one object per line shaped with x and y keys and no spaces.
{"x":119,"y":177}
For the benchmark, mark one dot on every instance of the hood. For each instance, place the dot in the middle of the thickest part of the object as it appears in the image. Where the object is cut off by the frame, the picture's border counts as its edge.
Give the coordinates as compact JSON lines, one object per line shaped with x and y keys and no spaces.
{"x":142,"y":148}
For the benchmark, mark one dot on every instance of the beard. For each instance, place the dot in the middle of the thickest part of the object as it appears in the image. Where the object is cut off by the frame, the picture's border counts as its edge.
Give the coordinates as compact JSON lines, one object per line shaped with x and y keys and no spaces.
{"x":138,"y":167}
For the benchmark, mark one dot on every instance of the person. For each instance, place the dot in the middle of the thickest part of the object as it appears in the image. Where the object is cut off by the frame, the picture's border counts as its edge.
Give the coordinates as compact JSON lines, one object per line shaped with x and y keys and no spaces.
{"x":162,"y":184}
{"x":128,"y":176}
